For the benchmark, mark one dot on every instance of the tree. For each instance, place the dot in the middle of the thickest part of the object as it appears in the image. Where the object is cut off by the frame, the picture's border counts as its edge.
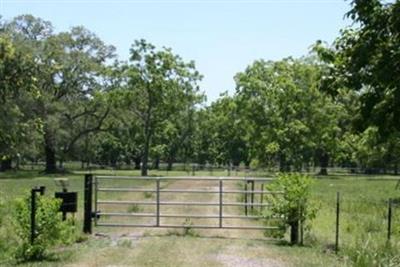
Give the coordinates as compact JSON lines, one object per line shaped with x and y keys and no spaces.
{"x":159,"y":84}
{"x":365,"y":58}
{"x":17,"y":85}
{"x":69,"y":67}
{"x":288,"y":118}
{"x":226,"y":143}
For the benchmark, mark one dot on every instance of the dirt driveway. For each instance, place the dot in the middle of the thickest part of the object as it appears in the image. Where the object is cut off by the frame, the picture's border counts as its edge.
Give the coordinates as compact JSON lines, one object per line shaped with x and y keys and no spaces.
{"x":190,"y":247}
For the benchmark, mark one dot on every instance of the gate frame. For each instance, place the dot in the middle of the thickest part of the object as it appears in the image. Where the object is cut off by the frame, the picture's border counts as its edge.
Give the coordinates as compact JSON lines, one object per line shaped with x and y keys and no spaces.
{"x":89,"y":214}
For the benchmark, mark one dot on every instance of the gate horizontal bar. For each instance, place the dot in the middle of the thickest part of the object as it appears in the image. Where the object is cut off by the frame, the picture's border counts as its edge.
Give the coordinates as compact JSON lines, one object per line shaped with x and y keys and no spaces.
{"x":124,"y":214}
{"x":117,"y":189}
{"x":191,"y":226}
{"x":171,"y":203}
{"x":195,"y":178}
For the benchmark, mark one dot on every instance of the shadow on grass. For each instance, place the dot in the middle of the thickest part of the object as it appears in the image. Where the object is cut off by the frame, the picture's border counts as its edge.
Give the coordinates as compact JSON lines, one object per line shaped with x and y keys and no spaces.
{"x":51,"y":259}
{"x":23,"y":174}
{"x":32,"y":174}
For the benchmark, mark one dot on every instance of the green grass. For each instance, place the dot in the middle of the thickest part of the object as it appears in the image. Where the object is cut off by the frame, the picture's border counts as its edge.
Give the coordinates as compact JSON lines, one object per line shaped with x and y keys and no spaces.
{"x":362,"y":228}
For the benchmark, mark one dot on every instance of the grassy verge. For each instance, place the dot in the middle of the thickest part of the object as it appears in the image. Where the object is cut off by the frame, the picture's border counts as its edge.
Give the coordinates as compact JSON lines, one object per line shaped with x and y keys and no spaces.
{"x":362,"y":230}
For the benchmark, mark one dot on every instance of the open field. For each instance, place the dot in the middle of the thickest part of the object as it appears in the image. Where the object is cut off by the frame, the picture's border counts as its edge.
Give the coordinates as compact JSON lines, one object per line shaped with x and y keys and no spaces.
{"x":363,"y":220}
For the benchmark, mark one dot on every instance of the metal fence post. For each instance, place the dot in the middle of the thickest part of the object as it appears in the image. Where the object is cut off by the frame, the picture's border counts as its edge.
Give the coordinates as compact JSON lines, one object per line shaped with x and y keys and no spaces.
{"x":389,"y":230}
{"x":337,"y":222}
{"x":33,"y":214}
{"x":87,"y":219}
{"x":158,"y":202}
{"x":220,"y":201}
{"x":301,"y":223}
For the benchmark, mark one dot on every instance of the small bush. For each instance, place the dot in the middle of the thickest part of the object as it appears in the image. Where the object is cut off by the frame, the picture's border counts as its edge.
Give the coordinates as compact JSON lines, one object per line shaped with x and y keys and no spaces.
{"x":50,"y":229}
{"x":291,"y":206}
{"x":5,"y":233}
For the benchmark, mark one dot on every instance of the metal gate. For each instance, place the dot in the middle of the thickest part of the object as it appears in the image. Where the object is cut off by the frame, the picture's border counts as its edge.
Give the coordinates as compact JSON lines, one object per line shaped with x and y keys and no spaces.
{"x":108,"y":192}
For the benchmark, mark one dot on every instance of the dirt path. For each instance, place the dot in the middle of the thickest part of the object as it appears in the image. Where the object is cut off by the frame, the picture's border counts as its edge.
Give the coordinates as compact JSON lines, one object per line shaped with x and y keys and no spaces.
{"x":216,"y":247}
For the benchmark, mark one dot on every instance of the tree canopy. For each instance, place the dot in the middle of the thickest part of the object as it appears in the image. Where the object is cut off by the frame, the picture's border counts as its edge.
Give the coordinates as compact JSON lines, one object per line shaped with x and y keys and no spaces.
{"x":66,"y":96}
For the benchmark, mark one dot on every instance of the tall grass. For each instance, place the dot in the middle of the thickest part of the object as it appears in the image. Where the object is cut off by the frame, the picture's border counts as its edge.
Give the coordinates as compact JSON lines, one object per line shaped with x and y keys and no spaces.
{"x":363,"y":219}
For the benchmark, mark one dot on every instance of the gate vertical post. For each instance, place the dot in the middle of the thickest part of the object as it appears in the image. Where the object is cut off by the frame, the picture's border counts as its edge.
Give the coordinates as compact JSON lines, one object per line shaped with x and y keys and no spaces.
{"x":87,"y":219}
{"x":252,"y":195}
{"x":220,"y":201}
{"x":245,"y":198}
{"x":158,"y":202}
{"x":261,"y":197}
{"x":96,"y":188}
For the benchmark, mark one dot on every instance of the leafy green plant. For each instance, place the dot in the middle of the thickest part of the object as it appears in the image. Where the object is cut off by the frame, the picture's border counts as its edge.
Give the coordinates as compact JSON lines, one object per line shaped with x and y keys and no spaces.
{"x":292,"y":206}
{"x":50,"y":230}
{"x":188,"y":230}
{"x":5,"y":234}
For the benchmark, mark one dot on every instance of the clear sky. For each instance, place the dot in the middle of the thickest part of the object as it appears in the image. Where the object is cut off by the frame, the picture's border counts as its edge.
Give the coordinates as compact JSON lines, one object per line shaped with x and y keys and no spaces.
{"x":222,"y":36}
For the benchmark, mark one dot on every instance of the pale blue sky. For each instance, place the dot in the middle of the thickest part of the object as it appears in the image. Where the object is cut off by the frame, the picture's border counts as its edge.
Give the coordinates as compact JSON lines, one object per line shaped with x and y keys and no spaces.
{"x":222,"y":36}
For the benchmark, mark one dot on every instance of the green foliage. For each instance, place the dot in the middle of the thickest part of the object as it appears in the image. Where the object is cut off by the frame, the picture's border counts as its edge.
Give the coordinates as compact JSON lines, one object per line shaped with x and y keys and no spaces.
{"x":287,"y":119}
{"x":159,"y":86}
{"x":365,"y":58}
{"x":50,"y":229}
{"x":293,"y":205}
{"x":5,"y":234}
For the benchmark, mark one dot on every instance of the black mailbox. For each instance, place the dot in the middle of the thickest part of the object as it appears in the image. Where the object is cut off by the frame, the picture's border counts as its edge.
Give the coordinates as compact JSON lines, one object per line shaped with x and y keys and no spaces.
{"x":69,"y":201}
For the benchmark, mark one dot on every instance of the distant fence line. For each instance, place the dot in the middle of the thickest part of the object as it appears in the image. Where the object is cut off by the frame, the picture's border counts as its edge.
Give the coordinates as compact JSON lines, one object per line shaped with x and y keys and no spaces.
{"x":194,"y":167}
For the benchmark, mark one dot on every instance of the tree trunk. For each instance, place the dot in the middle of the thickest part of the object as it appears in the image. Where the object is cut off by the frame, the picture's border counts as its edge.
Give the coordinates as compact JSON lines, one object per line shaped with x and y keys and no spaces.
{"x":145,"y":158}
{"x":50,"y":153}
{"x":323,"y":162}
{"x":283,"y":164}
{"x":157,"y":163}
{"x":137,"y":163}
{"x":170,"y":163}
{"x":61,"y":164}
{"x":6,"y":164}
{"x":294,"y":232}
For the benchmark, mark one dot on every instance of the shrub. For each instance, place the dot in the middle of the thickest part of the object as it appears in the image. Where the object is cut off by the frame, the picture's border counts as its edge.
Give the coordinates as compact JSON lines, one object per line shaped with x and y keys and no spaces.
{"x":50,"y":229}
{"x":293,"y":205}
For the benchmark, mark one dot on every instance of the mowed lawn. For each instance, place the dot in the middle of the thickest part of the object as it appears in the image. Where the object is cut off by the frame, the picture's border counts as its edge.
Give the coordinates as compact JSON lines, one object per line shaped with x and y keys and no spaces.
{"x":364,"y":208}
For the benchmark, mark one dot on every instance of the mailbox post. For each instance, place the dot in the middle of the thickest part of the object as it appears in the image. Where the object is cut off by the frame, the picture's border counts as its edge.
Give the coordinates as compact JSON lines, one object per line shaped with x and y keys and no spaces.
{"x":69,"y":199}
{"x":34,"y":190}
